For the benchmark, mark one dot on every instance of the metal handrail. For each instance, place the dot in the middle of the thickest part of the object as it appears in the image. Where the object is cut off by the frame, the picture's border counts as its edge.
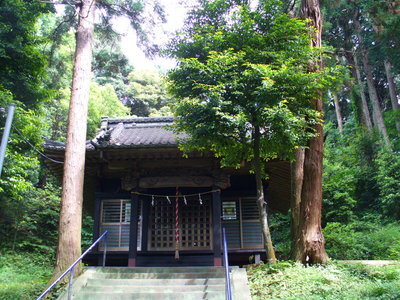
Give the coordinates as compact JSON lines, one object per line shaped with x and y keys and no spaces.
{"x":72,"y":267}
{"x":228,"y":289}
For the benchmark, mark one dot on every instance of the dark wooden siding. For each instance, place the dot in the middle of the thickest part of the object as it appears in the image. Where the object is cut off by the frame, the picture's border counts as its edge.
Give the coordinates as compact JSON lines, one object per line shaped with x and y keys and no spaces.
{"x":232,"y":234}
{"x":244,"y":231}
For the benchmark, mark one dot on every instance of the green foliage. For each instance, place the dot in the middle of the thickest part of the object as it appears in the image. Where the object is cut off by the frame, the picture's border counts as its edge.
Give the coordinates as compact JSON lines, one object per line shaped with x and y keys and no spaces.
{"x":359,"y":175}
{"x":110,"y":66}
{"x":146,"y":94}
{"x":343,"y":242}
{"x":340,"y":175}
{"x":26,"y":213}
{"x":60,"y":56}
{"x":20,"y":170}
{"x":103,"y":101}
{"x":391,"y":117}
{"x":335,"y":281}
{"x":24,"y":275}
{"x":110,"y":63}
{"x":280,"y":230}
{"x":386,"y":18}
{"x":388,"y":182}
{"x":87,"y":232}
{"x":360,"y":178}
{"x":22,"y":62}
{"x":36,"y":230}
{"x":363,"y":240}
{"x":245,"y":77}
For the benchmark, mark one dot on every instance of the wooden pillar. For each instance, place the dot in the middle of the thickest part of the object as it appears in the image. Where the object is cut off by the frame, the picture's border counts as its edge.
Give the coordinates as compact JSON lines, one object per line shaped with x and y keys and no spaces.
{"x":96,"y":226}
{"x":145,"y":223}
{"x":216,"y":217}
{"x":133,"y":231}
{"x":96,"y":218}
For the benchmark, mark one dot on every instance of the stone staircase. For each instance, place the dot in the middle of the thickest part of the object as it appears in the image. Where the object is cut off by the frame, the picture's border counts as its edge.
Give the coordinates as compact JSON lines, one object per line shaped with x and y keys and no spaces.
{"x":165,"y":283}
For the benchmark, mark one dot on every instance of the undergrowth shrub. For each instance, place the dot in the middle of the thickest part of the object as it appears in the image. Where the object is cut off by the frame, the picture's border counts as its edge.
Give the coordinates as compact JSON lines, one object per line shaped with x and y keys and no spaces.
{"x":368,"y":238}
{"x":87,"y":232}
{"x":363,"y":240}
{"x":24,"y":275}
{"x":289,"y":280}
{"x":280,"y":230}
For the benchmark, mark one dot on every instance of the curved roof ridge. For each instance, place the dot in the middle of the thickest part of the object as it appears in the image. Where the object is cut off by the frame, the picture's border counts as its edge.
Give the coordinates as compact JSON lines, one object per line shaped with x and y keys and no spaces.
{"x":140,"y":120}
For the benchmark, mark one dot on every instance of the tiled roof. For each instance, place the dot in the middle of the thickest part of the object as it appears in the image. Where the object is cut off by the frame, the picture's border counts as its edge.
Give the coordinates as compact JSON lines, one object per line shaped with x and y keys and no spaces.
{"x":60,"y":146}
{"x":53,"y":145}
{"x":146,"y":132}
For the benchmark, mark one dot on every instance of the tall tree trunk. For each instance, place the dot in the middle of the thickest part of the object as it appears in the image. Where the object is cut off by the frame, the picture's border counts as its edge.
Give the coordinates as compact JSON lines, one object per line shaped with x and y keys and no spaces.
{"x":297,"y":174}
{"x":312,"y":242}
{"x":392,"y":91}
{"x":69,"y":241}
{"x":364,"y":103}
{"x":379,"y":29}
{"x":338,"y":112}
{"x":392,"y":86}
{"x":290,"y":8}
{"x":373,"y":95}
{"x":261,"y":203}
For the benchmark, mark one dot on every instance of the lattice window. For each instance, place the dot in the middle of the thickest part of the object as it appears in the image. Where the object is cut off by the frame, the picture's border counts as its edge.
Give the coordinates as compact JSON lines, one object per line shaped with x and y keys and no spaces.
{"x":244,"y":231}
{"x":194,"y":225}
{"x":251,"y":228}
{"x":162,"y":227}
{"x":115,"y":218}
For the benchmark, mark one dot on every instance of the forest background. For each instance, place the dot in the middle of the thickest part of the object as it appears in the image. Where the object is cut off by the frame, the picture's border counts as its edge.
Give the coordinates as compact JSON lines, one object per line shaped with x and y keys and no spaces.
{"x":361,"y":205}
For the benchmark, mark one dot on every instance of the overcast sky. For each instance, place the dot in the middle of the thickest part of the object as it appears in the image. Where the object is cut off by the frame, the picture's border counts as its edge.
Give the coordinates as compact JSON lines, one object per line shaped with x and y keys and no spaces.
{"x":175,"y":16}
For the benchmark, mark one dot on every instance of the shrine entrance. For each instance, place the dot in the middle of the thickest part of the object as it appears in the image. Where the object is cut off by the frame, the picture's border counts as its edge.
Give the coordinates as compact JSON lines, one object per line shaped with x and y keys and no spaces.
{"x":194,"y":223}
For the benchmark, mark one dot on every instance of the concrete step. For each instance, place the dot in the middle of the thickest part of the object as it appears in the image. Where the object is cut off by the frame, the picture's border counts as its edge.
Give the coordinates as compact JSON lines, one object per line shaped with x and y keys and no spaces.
{"x":159,"y":269}
{"x":176,"y":283}
{"x":156,"y":282}
{"x":180,"y":275}
{"x":150,"y":296}
{"x":153,"y":289}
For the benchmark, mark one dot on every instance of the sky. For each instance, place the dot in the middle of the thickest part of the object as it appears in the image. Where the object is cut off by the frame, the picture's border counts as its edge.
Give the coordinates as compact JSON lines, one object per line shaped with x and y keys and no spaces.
{"x":175,"y":13}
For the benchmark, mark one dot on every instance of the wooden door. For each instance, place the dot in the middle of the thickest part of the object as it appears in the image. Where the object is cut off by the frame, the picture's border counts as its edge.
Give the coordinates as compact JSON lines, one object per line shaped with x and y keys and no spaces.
{"x":195,"y":225}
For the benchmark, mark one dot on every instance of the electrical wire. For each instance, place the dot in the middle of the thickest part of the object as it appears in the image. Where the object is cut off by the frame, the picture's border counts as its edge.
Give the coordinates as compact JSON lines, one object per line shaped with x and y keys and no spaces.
{"x":34,"y":148}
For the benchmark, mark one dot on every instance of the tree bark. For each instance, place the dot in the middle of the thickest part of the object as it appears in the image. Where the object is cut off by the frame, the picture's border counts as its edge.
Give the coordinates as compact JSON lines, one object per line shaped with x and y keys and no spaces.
{"x":69,"y":241}
{"x":392,"y":91}
{"x":373,"y":95}
{"x":311,"y":240}
{"x":364,"y":103}
{"x":291,"y":8}
{"x":297,"y":173}
{"x":261,"y":203}
{"x":338,"y":112}
{"x":392,"y":86}
{"x":379,"y":28}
